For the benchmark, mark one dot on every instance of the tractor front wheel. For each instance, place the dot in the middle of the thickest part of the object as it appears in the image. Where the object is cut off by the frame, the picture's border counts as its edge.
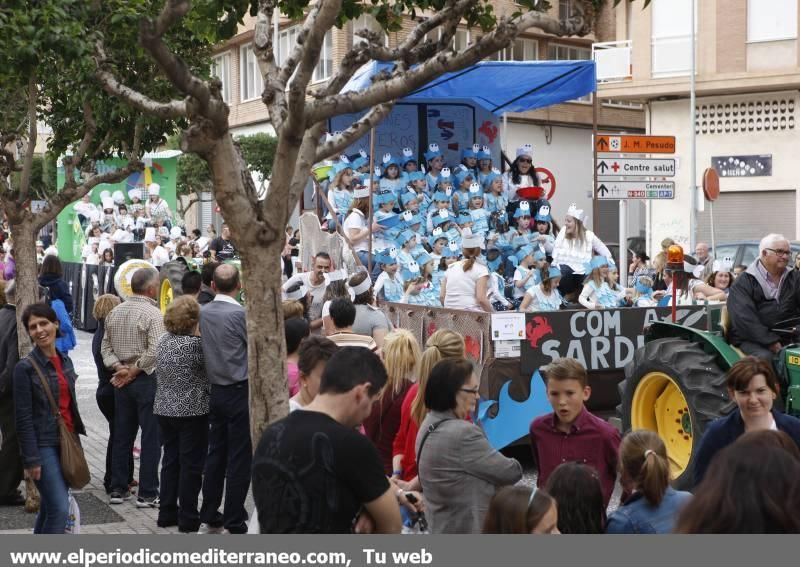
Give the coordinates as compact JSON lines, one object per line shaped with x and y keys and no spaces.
{"x":675,"y":388}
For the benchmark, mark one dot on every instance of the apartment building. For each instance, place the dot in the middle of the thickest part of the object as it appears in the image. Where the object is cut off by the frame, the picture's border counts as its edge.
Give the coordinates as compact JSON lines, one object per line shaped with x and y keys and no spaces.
{"x":561,"y":135}
{"x":747,"y":80}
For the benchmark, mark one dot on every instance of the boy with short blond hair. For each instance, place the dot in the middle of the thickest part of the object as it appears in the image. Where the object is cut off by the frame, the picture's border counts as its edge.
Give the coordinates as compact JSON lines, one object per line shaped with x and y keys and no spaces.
{"x":571,"y":433}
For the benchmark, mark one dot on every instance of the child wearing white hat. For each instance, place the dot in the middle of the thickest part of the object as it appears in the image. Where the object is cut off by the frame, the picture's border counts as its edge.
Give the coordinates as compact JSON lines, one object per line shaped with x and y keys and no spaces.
{"x":157,"y":208}
{"x":158,"y":254}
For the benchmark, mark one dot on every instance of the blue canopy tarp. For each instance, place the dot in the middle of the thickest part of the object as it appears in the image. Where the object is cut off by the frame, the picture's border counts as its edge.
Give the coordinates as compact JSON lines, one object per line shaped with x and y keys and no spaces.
{"x":500,"y":86}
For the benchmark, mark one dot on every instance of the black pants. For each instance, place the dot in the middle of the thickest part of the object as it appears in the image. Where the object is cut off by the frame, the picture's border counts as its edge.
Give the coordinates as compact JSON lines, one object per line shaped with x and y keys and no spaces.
{"x":229,"y":458}
{"x":185,"y":444}
{"x":10,"y":460}
{"x":105,"y":401}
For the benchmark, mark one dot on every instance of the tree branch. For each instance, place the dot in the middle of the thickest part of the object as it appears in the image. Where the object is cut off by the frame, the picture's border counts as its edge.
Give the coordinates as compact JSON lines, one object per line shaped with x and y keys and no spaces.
{"x":400,"y":84}
{"x":203,"y":101}
{"x":89,"y":132}
{"x":305,"y":161}
{"x":360,"y":127}
{"x":139,"y":101}
{"x":320,"y":19}
{"x":274,"y":93}
{"x":27,"y":162}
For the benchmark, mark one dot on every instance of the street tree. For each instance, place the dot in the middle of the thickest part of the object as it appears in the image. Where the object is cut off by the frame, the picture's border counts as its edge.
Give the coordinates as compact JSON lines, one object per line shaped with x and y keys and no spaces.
{"x":47,"y":74}
{"x":299,"y":111}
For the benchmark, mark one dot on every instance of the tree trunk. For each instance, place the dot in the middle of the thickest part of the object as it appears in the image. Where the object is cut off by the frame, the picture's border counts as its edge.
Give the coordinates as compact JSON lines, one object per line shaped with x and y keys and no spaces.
{"x":266,"y":352}
{"x":27,"y":284}
{"x":260,"y":242}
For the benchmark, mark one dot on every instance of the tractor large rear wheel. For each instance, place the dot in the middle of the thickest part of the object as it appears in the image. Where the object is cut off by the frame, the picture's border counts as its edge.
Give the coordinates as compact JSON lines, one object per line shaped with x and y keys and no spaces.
{"x":171,"y":286}
{"x":673,"y":387}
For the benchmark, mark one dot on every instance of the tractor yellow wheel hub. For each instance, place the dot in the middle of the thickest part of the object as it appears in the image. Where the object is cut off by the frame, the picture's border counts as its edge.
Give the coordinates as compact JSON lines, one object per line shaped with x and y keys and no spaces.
{"x":166,"y":296}
{"x":659,"y":405}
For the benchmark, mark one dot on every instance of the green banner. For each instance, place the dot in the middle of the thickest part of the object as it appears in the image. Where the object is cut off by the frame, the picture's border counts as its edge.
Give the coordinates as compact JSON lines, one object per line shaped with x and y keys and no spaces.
{"x":159,"y":170}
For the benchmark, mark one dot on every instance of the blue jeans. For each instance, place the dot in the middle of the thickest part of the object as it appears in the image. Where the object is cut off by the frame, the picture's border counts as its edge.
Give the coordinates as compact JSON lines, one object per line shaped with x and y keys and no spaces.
{"x":229,"y":458}
{"x":185,"y":447}
{"x":54,"y":506}
{"x":133,"y":408}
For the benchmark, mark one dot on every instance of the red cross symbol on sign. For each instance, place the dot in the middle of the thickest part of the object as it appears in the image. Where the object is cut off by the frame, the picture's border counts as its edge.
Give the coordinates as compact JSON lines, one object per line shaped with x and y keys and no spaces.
{"x":615,"y":167}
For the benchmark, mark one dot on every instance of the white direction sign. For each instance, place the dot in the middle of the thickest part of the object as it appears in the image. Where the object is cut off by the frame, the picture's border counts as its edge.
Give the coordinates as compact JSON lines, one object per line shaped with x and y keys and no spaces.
{"x":616,"y":167}
{"x":635,"y":190}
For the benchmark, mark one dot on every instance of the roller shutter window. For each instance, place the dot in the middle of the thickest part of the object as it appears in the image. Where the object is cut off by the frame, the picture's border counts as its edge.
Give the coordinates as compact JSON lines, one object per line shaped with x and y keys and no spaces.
{"x":735,"y":216}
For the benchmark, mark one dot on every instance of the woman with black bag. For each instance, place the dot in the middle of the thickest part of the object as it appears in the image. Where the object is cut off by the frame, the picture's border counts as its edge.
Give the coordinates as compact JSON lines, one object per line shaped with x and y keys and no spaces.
{"x":48,"y":420}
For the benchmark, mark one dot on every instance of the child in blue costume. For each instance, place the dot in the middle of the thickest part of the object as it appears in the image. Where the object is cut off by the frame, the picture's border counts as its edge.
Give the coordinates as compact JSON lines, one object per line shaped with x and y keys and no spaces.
{"x":361,"y":163}
{"x":464,"y":179}
{"x":435,"y":161}
{"x":469,"y":159}
{"x":384,"y":201}
{"x":545,"y":296}
{"x":340,"y":192}
{"x":389,"y":285}
{"x":522,"y":235}
{"x":543,"y":236}
{"x":413,"y":223}
{"x":494,"y":199}
{"x":441,"y":202}
{"x":484,"y":164}
{"x":406,"y":242}
{"x":438,"y":242}
{"x":596,"y":294}
{"x":480,"y":217}
{"x":416,"y":184}
{"x":408,"y":163}
{"x":526,"y":275}
{"x":391,"y":180}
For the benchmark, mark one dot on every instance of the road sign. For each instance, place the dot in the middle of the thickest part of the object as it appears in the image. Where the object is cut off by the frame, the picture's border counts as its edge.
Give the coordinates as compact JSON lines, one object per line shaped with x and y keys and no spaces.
{"x":635,"y":144}
{"x":547,"y":181}
{"x":635,"y":190}
{"x":635,"y":167}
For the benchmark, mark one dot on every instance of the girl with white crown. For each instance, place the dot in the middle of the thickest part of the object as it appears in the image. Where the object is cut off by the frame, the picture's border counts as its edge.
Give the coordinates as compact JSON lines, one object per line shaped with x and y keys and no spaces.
{"x":573,"y":250}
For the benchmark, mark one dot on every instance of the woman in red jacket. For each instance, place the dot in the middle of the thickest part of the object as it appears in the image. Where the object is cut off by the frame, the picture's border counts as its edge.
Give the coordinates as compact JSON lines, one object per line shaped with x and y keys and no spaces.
{"x":441,"y":344}
{"x":401,"y":356}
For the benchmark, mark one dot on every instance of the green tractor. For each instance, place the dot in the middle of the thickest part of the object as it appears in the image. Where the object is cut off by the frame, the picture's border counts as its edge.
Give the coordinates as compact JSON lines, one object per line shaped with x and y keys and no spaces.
{"x":675,"y":386}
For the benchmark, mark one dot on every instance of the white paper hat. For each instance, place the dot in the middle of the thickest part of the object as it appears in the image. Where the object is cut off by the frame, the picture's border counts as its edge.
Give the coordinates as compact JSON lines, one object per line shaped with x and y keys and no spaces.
{"x":150,"y":234}
{"x":472,"y":241}
{"x":94,"y":240}
{"x":108,"y":203}
{"x":105,"y":195}
{"x":723,"y":265}
{"x":175,"y":233}
{"x":525,"y":150}
{"x":118,"y":235}
{"x":135,"y":194}
{"x":94,"y":216}
{"x":361,"y":193}
{"x":163,"y":231}
{"x":297,"y":294}
{"x":118,"y":197}
{"x":576,"y":213}
{"x":154,"y":189}
{"x":363,"y":287}
{"x":335,"y":276}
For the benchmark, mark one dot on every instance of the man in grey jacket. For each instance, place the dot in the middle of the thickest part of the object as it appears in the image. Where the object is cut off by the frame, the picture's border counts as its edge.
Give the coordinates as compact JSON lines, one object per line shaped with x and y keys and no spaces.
{"x":223,"y":329}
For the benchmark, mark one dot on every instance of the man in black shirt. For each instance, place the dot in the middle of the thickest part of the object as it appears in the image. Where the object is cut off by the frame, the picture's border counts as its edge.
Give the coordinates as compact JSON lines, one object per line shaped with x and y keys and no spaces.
{"x":312,"y":471}
{"x":221,"y":247}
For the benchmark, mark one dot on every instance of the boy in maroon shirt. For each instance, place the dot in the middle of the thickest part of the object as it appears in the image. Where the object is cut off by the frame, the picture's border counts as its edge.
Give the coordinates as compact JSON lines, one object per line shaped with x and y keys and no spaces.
{"x":571,"y":433}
